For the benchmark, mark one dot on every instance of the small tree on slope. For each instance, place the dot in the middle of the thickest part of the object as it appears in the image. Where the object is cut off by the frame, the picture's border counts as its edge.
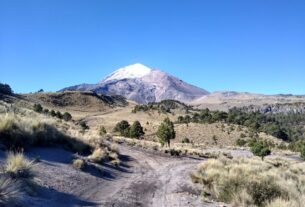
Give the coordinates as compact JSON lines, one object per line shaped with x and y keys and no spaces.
{"x":136,"y":130}
{"x":166,"y":132}
{"x":260,"y":149}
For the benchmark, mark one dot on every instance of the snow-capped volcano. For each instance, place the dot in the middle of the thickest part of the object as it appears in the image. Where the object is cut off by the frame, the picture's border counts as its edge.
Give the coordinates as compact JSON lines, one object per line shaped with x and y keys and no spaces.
{"x":143,"y":85}
{"x":129,"y":72}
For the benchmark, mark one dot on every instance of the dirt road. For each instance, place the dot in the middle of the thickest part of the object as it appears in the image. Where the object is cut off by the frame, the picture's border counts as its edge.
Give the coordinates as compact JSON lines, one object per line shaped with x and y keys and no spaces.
{"x":145,"y":179}
{"x":157,"y":181}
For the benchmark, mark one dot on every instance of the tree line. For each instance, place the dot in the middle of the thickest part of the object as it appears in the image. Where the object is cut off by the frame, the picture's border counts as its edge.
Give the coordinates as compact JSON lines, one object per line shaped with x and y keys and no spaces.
{"x":288,"y":127}
{"x":65,"y":116}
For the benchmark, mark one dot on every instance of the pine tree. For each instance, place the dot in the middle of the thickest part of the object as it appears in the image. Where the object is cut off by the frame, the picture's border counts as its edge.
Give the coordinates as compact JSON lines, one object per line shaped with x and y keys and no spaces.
{"x":166,"y":132}
{"x":136,"y":130}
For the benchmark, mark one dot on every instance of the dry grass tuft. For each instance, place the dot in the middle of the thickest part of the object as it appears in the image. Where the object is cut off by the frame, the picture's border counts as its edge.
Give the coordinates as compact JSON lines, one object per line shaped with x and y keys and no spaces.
{"x":99,"y":155}
{"x":103,"y":150}
{"x":18,"y":167}
{"x":252,"y":182}
{"x":78,"y":164}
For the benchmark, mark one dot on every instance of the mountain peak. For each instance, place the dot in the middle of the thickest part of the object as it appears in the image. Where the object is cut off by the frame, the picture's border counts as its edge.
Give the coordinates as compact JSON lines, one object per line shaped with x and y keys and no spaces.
{"x":142,"y":84}
{"x":137,"y":70}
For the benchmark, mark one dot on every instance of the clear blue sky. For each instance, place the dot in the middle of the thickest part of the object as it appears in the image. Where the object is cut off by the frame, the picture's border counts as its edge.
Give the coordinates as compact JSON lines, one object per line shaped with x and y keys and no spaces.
{"x":246,"y":45}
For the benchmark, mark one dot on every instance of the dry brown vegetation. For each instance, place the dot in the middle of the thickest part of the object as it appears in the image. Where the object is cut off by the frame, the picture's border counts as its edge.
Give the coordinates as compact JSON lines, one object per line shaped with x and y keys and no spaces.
{"x":252,"y":182}
{"x":18,"y":167}
{"x":18,"y":131}
{"x":16,"y":179}
{"x":78,"y":164}
{"x":73,"y":100}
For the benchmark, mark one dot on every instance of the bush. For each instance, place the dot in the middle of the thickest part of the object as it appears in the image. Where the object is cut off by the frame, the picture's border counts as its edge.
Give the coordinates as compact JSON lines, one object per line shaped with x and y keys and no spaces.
{"x":123,"y":128}
{"x":52,"y":113}
{"x":166,"y":132}
{"x":241,"y":142}
{"x":102,"y":131}
{"x":83,"y":125}
{"x":186,"y":140}
{"x":136,"y":130}
{"x":10,"y":192}
{"x":67,"y":116}
{"x":59,"y":115}
{"x":78,"y":164}
{"x":260,"y":149}
{"x":38,"y":108}
{"x":264,"y":190}
{"x":5,"y":89}
{"x":18,"y":167}
{"x":174,"y":152}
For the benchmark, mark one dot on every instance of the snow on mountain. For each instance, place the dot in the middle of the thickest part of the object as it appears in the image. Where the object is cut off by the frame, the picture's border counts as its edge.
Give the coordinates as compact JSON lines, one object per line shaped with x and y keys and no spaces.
{"x":143,"y":85}
{"x":129,"y":72}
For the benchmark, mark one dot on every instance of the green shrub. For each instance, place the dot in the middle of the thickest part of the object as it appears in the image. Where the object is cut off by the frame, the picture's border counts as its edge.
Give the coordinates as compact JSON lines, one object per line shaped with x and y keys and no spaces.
{"x":83,"y":125}
{"x":260,"y":149}
{"x":102,"y":131}
{"x":241,"y":142}
{"x":59,"y":115}
{"x":263,"y":191}
{"x":52,"y":113}
{"x":5,"y":89}
{"x":136,"y":130}
{"x":67,"y":116}
{"x":123,"y":128}
{"x":38,"y":108}
{"x":186,"y":140}
{"x":174,"y":152}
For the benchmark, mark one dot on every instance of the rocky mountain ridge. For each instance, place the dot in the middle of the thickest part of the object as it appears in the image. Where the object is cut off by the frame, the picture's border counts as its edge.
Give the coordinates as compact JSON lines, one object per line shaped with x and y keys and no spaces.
{"x":143,"y":85}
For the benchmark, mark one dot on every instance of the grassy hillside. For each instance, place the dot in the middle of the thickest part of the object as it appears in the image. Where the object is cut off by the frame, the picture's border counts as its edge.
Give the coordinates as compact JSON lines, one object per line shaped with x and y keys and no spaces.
{"x":78,"y":101}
